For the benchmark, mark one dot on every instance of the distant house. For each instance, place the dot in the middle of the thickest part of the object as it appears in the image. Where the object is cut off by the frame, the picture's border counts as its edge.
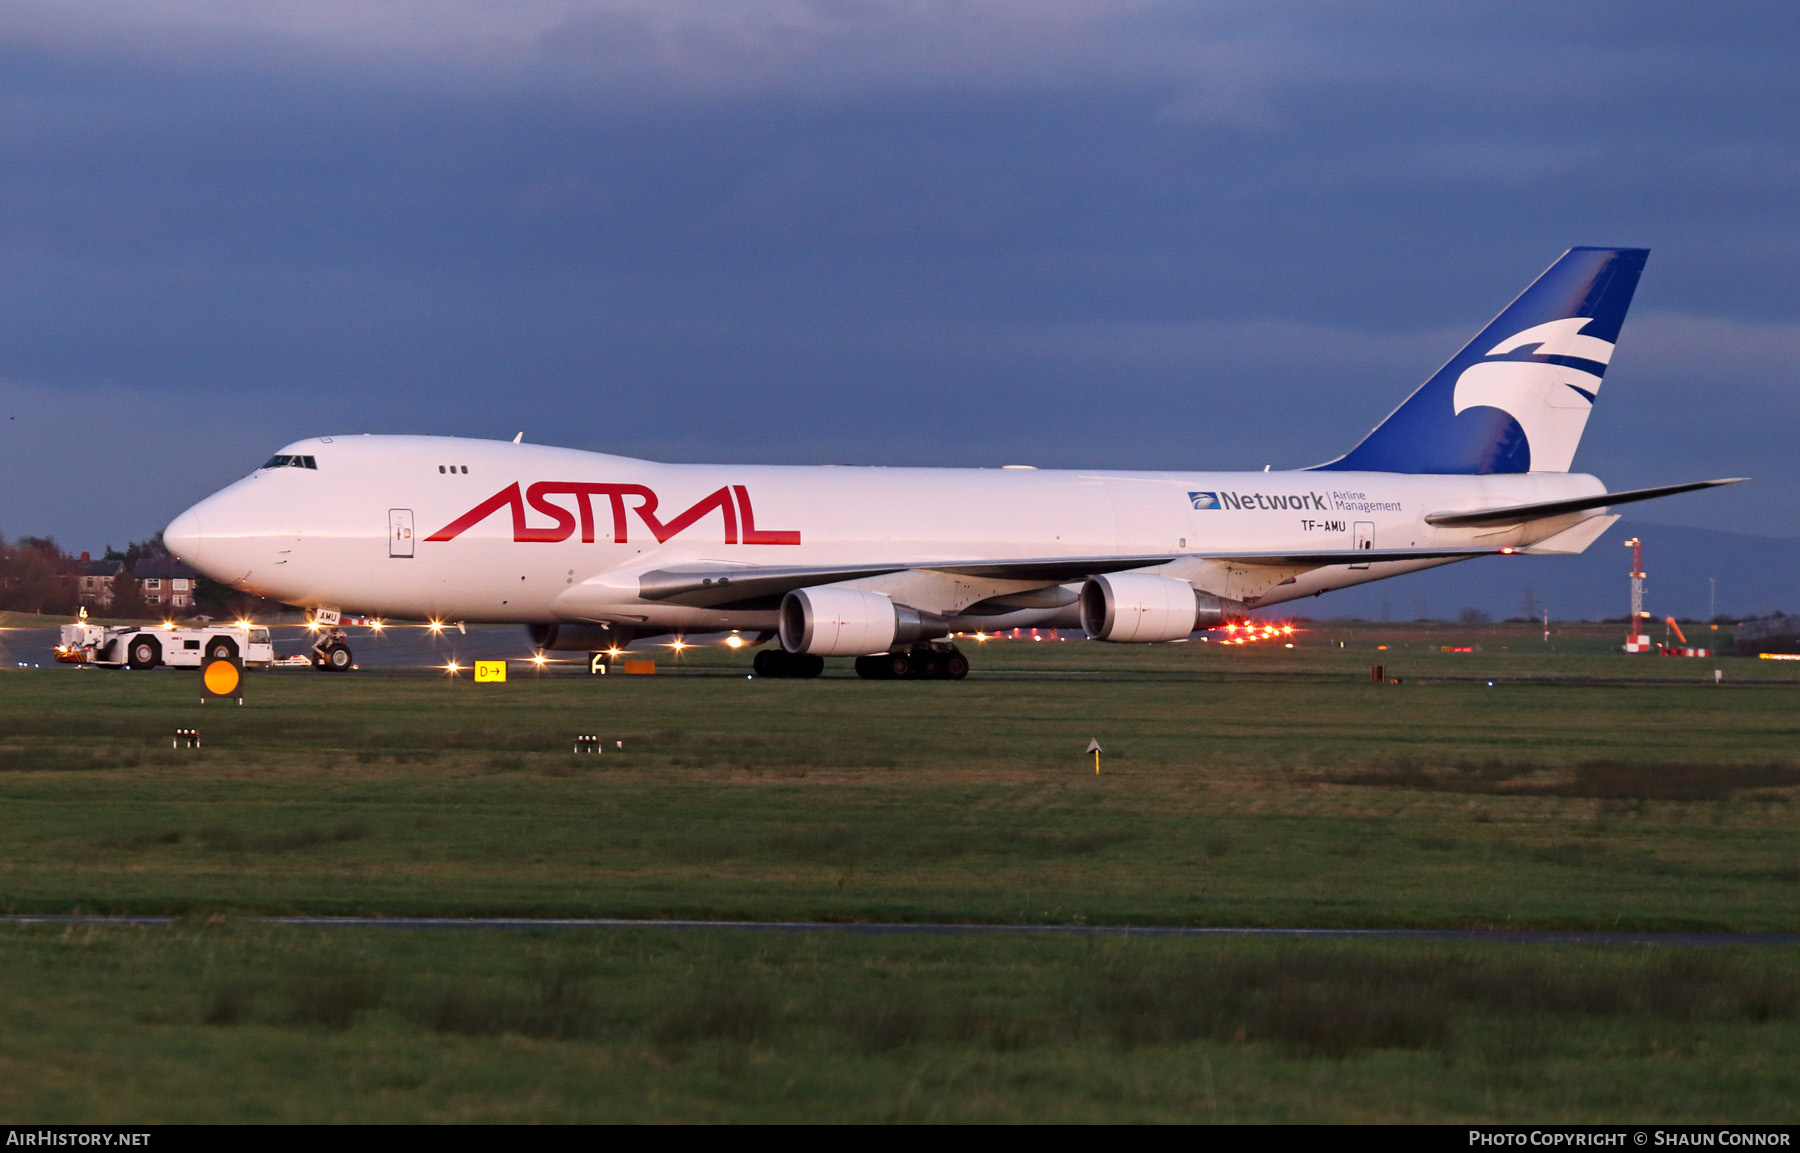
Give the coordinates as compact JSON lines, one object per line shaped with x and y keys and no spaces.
{"x":94,"y":581}
{"x":165,"y":583}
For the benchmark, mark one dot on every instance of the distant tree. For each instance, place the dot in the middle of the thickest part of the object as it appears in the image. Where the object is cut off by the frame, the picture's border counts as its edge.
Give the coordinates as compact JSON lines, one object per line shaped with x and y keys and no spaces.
{"x":137,"y":550}
{"x":1473,"y":616}
{"x":36,"y":577}
{"x":128,"y":598}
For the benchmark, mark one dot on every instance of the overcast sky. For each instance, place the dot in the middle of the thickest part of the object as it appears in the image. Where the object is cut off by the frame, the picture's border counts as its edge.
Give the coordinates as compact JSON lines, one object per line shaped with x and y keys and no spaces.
{"x":971,"y":232}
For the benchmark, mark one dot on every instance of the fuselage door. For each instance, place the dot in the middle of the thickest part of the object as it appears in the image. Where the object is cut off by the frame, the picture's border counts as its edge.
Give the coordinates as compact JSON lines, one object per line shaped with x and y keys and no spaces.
{"x":1365,"y":538}
{"x":400,"y":532}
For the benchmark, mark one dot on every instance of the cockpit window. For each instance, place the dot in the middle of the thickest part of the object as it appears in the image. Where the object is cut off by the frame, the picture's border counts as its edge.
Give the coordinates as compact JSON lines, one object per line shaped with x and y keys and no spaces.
{"x":281,"y":460}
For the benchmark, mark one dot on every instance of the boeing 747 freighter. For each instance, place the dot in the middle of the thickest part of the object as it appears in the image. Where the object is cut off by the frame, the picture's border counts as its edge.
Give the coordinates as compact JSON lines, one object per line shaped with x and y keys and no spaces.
{"x":888,"y":565}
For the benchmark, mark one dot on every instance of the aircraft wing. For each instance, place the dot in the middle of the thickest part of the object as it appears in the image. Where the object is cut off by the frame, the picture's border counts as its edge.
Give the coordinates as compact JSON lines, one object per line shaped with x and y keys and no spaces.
{"x":1356,"y":555}
{"x":1520,"y":513}
{"x":708,"y":585}
{"x":714,"y":585}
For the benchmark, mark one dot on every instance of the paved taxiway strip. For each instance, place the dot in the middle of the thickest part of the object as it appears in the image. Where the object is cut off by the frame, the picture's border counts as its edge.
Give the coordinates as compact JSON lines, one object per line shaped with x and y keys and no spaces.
{"x":1493,"y":936}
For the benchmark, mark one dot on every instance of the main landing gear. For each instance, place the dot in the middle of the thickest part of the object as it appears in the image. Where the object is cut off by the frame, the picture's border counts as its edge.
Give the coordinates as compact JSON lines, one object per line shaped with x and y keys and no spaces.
{"x":922,"y":663}
{"x":331,"y":652}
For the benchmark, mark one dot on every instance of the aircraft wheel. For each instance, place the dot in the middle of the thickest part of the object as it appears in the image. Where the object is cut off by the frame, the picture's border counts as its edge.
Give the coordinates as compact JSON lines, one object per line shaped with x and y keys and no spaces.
{"x":770,"y":663}
{"x":335,"y":659}
{"x":145,"y":653}
{"x":807,"y":665}
{"x":927,"y":664}
{"x":874,"y":668}
{"x":956,"y":666}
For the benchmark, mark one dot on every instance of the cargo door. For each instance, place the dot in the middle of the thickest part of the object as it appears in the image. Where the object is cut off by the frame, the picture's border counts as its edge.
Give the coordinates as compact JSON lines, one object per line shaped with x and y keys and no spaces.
{"x":400,"y":532}
{"x":1365,"y":538}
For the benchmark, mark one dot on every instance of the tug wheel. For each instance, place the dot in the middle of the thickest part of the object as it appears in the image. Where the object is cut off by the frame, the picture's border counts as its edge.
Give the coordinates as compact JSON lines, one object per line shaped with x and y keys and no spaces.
{"x":144,"y":653}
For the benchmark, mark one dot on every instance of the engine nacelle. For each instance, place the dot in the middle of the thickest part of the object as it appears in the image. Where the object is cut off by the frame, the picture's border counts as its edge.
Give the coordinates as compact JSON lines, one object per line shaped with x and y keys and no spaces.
{"x":1140,"y":608}
{"x":837,"y":622}
{"x":563,"y":637}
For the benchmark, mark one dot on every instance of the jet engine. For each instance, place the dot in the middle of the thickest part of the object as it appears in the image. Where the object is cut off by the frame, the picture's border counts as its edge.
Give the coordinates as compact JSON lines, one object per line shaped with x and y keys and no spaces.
{"x":562,"y":637}
{"x":1139,"y":608}
{"x":839,"y":622}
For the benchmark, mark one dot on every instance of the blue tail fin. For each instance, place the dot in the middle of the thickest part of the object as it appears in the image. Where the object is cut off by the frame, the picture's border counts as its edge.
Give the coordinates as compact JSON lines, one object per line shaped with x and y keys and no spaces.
{"x":1517,"y":397}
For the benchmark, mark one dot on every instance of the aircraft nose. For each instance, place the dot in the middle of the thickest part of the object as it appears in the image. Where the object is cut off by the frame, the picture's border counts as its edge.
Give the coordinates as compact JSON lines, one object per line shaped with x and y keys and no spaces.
{"x":183,"y":537}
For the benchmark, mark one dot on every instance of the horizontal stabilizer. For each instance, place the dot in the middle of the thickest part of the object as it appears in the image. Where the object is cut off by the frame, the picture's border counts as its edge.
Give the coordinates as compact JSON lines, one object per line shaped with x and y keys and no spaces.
{"x":1520,"y":513}
{"x":1575,"y":539}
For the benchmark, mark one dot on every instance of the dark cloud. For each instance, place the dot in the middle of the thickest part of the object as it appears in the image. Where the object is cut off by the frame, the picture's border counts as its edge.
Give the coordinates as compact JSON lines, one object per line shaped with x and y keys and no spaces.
{"x":1215,"y":235}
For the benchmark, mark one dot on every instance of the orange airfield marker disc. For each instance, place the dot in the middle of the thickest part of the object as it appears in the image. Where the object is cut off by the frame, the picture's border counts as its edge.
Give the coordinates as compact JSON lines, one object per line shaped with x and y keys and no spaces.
{"x":221,"y":678}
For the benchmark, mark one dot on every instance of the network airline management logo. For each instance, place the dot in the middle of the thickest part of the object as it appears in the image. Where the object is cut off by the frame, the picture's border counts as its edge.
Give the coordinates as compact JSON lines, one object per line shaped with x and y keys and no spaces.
{"x":732,"y":502}
{"x":1335,"y":501}
{"x":1256,"y":500}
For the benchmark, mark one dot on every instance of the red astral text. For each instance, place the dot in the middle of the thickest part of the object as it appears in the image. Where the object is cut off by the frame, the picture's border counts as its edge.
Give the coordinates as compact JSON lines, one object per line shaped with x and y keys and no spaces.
{"x":731,"y":502}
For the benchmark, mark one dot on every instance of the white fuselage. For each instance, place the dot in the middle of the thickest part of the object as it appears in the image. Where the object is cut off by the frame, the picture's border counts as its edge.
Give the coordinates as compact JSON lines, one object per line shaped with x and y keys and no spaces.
{"x":570,"y":541}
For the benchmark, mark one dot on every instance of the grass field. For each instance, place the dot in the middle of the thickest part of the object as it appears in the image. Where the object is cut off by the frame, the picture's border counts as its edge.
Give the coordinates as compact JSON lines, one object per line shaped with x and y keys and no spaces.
{"x":244,"y":1023}
{"x":1581,"y":789}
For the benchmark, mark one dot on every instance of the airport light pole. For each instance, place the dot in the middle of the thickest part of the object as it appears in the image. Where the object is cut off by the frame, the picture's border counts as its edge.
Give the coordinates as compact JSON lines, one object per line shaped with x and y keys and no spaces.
{"x":1635,"y":641}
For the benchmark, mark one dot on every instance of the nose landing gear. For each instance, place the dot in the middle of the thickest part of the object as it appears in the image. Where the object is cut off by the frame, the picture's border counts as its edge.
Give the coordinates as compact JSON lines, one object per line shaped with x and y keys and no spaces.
{"x":331,"y":652}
